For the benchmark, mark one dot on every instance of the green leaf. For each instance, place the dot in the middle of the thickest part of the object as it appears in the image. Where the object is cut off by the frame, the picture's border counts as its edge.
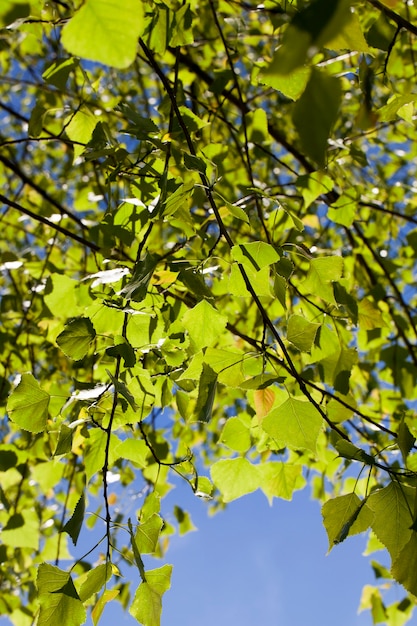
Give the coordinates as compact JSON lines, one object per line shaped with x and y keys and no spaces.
{"x":311,"y":28}
{"x":137,"y":287}
{"x":12,"y":10}
{"x":291,"y":85}
{"x":107,"y":596}
{"x":294,"y":423}
{"x":94,"y":454}
{"x":316,"y":112}
{"x":235,"y":478}
{"x":236,"y":435}
{"x":58,"y":598}
{"x":22,"y":530}
{"x":182,"y":32}
{"x":204,"y":325}
{"x":405,"y":439}
{"x":146,"y":607}
{"x":94,"y":581}
{"x":301,"y":332}
{"x":74,"y":524}
{"x":185,"y":524}
{"x":206,"y":394}
{"x":105,"y":31}
{"x":348,"y":450}
{"x":369,"y":316}
{"x":280,"y":480}
{"x":64,"y":444}
{"x":80,"y":129}
{"x":392,"y":507}
{"x":350,"y":37}
{"x":314,"y":185}
{"x":123,"y":349}
{"x":58,"y":72}
{"x":228,"y":364}
{"x":343,"y":516}
{"x":323,"y":271}
{"x":147,"y":534}
{"x":76,"y":338}
{"x":28,"y":405}
{"x":134,"y":450}
{"x":404,"y":566}
{"x":255,"y":255}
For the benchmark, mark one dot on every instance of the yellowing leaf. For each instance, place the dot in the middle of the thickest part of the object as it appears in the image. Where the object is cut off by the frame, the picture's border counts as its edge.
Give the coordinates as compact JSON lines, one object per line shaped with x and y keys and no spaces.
{"x":263,"y":400}
{"x":28,"y":405}
{"x":106,"y":31}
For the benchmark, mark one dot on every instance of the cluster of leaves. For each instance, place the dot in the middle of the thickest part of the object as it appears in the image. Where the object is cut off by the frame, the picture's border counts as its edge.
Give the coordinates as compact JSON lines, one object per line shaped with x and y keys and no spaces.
{"x":208,"y":267}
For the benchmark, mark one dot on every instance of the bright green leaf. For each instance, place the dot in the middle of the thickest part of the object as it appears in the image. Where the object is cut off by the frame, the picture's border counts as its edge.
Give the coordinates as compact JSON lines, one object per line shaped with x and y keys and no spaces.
{"x":58,"y":598}
{"x":280,"y":480}
{"x":392,"y":507}
{"x":295,"y":423}
{"x":204,"y":324}
{"x":343,"y":516}
{"x":235,"y":478}
{"x":95,"y":580}
{"x":76,"y":338}
{"x":28,"y":404}
{"x":236,"y":435}
{"x":105,"y":31}
{"x":147,"y":534}
{"x":301,"y":332}
{"x":146,"y":607}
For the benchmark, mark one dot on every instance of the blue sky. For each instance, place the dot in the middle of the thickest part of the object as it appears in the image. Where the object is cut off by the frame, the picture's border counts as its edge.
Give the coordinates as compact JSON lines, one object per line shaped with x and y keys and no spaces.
{"x":256,"y":564}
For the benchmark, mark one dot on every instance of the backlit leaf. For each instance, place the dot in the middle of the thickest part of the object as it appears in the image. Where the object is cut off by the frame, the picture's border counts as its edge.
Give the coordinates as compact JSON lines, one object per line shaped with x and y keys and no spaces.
{"x":105,"y":31}
{"x":294,"y":423}
{"x":76,"y":338}
{"x":235,"y":478}
{"x":301,"y":332}
{"x":58,"y":598}
{"x":146,"y":607}
{"x":28,"y":404}
{"x":392,"y":507}
{"x":280,"y":480}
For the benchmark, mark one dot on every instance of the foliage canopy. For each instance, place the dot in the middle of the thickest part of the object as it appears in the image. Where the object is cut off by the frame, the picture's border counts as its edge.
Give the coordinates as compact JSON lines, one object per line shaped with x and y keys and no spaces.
{"x":208,"y":261}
